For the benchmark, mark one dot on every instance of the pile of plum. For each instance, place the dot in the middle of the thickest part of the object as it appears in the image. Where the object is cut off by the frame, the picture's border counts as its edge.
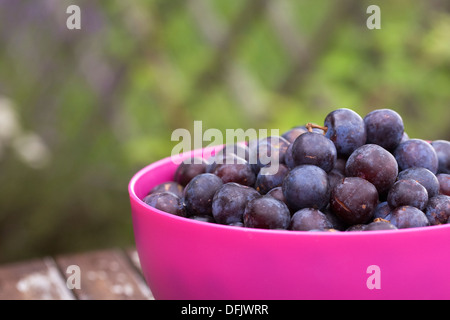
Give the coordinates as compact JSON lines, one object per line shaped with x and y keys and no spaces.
{"x":351,"y":174}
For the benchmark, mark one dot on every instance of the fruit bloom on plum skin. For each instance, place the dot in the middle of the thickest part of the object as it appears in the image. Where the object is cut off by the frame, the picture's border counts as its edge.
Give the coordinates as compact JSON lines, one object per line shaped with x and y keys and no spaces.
{"x":416,"y":153}
{"x":375,"y":164}
{"x":266,"y":212}
{"x":346,"y":129}
{"x":354,"y":200}
{"x":385,"y":128}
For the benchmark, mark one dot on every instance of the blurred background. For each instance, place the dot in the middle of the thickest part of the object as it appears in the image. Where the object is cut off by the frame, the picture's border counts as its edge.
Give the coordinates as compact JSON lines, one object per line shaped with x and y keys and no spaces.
{"x":82,"y":110}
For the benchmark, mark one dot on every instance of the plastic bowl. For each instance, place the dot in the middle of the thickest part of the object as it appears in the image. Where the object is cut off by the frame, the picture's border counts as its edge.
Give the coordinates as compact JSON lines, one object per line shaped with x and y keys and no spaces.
{"x":187,"y":259}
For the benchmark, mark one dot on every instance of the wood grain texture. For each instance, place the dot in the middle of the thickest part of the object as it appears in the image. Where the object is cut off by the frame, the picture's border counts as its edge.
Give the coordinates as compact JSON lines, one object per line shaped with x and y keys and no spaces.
{"x":39,"y":279}
{"x":106,"y":275}
{"x":112,"y":274}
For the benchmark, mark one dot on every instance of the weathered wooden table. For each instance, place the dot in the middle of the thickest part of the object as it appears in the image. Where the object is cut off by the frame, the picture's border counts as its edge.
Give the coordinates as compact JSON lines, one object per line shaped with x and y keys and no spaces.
{"x":113,"y":274}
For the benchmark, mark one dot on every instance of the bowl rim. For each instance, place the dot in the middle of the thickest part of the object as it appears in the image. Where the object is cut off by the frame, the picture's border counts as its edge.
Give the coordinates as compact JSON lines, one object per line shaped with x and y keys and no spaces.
{"x":210,"y":150}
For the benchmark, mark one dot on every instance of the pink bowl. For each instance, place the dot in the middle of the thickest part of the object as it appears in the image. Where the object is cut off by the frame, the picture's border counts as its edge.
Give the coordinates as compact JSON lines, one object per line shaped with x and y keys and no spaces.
{"x":187,"y":259}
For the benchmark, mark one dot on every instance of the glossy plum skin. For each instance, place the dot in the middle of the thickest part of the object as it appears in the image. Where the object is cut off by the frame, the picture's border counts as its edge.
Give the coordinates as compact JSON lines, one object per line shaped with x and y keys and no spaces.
{"x":169,"y":186}
{"x":407,"y":193}
{"x":382,"y":210}
{"x":442,"y":148}
{"x":189,"y":169}
{"x":289,"y":158}
{"x":240,"y":150}
{"x":266,"y":182}
{"x":167,"y":202}
{"x":229,"y":202}
{"x":199,"y":193}
{"x":277,"y":193}
{"x":306,"y":186}
{"x":266,"y":151}
{"x":354,"y":200}
{"x":416,"y":153}
{"x":294,"y":133}
{"x":241,"y":173}
{"x":309,"y":219}
{"x":266,"y":212}
{"x":444,"y":183}
{"x":385,"y":128}
{"x":408,"y":217}
{"x":316,"y":149}
{"x":335,"y":177}
{"x":424,"y":176}
{"x":438,"y":209}
{"x":346,"y":129}
{"x":380,"y":225}
{"x":375,"y":164}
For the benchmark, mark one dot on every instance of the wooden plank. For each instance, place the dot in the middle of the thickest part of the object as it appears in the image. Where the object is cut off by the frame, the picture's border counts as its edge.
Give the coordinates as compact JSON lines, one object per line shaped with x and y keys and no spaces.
{"x":134,"y":257}
{"x":105,"y":275}
{"x":38,"y":279}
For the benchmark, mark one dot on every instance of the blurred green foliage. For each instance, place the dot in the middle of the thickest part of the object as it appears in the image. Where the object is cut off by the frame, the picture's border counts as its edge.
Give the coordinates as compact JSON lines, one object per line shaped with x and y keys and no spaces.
{"x":105,"y":99}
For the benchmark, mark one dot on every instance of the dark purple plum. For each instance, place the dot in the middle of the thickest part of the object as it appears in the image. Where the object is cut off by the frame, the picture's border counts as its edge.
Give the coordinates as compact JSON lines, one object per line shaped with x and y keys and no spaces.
{"x":170,"y":186}
{"x":189,"y":169}
{"x":293,"y":133}
{"x":266,"y":212}
{"x":167,"y":202}
{"x":267,"y":151}
{"x":340,"y":165}
{"x":382,"y":211}
{"x":309,"y":219}
{"x":288,"y":158}
{"x":335,"y":221}
{"x":239,"y":149}
{"x":423,"y":176}
{"x":408,"y":217}
{"x":241,"y":173}
{"x":219,"y":159}
{"x":306,"y":186}
{"x":380,"y":225}
{"x":357,"y":227}
{"x":438,"y":209}
{"x":265,"y":182}
{"x":315,"y":149}
{"x":385,"y":128}
{"x":277,"y":193}
{"x":416,"y":153}
{"x":375,"y":164}
{"x":230,"y":201}
{"x":354,"y":200}
{"x":335,"y":177}
{"x":444,"y":183}
{"x":407,"y":193}
{"x":442,"y":148}
{"x":199,"y":194}
{"x":346,"y":129}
